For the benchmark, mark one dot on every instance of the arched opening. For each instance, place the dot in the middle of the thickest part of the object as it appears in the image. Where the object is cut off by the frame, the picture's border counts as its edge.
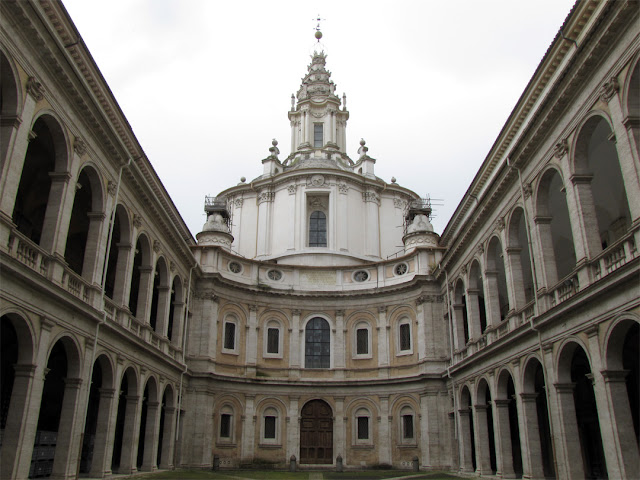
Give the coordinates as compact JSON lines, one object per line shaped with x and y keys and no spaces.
{"x":554,"y":228}
{"x":85,"y":224}
{"x":165,"y":436}
{"x":174,"y":330}
{"x":316,"y":433}
{"x":117,"y":258}
{"x":317,"y":229}
{"x":59,"y":396}
{"x":141,"y":273}
{"x":599,"y":185}
{"x":148,"y":435}
{"x":9,"y":355}
{"x":497,"y":282}
{"x":520,"y":259}
{"x":486,"y":449}
{"x":36,"y":201}
{"x":467,"y":433}
{"x":475,"y":292}
{"x":317,"y":344}
{"x":123,"y":447}
{"x":508,"y":429}
{"x":631,"y":363}
{"x":537,"y":424}
{"x":160,"y":297}
{"x":9,"y":101}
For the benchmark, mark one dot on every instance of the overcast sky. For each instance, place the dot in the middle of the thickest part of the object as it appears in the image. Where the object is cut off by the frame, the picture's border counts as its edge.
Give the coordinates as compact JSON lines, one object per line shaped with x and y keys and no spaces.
{"x":206,"y":85}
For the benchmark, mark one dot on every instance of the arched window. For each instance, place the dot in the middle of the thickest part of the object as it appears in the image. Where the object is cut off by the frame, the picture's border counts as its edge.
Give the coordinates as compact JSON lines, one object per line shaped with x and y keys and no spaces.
{"x":405,"y":343}
{"x":407,"y":431}
{"x":225,"y":427}
{"x":273,"y":340}
{"x":270,"y":427}
{"x":318,"y":229}
{"x":362,"y":427}
{"x":229,"y":340}
{"x":362,"y":340}
{"x":317,"y":349}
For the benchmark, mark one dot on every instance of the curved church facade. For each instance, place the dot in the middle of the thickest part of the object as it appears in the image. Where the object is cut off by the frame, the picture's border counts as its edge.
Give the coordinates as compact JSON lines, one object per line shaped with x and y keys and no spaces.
{"x":317,"y":317}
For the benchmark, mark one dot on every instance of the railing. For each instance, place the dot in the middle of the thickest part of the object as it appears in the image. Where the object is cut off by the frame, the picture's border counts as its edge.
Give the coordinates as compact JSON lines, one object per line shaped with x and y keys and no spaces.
{"x":614,"y":257}
{"x":28,"y":253}
{"x":565,"y":289}
{"x":76,"y":285}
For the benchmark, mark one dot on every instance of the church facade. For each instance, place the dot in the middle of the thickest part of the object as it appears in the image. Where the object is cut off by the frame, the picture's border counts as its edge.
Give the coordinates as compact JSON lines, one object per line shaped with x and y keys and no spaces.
{"x":291,"y":329}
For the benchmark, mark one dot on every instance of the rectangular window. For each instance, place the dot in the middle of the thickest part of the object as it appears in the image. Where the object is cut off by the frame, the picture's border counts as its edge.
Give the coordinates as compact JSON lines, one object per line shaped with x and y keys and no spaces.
{"x":230,"y":336}
{"x":225,"y":425}
{"x":362,"y":341}
{"x":363,"y":428}
{"x":407,"y":426}
{"x":405,"y":336}
{"x":273,"y":340}
{"x":270,"y":427}
{"x":317,"y":135}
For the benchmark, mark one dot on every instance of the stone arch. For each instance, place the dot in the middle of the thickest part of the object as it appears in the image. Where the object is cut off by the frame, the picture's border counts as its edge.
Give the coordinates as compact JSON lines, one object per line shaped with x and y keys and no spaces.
{"x":124,"y":446}
{"x":519,"y":257}
{"x":537,"y":423}
{"x":598,"y":184}
{"x":496,"y":278}
{"x":484,"y":429}
{"x":166,"y":435}
{"x":507,"y":425}
{"x":141,"y":272}
{"x":43,"y":182}
{"x":318,"y":341}
{"x":118,"y":256}
{"x":60,"y":394}
{"x":149,"y":425}
{"x":622,"y":386}
{"x":11,"y":95}
{"x":553,"y":224}
{"x":579,"y":412}
{"x":82,"y":251}
{"x":467,"y":444}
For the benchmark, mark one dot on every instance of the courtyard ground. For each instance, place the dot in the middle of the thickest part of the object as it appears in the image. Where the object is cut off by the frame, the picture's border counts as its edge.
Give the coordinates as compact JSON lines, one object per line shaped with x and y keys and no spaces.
{"x":284,"y":475}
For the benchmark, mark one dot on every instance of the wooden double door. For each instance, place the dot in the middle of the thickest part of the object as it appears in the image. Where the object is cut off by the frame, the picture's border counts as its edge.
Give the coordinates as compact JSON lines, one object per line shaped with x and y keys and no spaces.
{"x":316,"y":433}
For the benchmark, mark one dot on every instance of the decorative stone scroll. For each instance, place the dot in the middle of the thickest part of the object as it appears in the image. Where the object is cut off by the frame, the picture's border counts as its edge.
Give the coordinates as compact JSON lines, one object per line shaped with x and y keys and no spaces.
{"x":609,"y":90}
{"x":35,"y":89}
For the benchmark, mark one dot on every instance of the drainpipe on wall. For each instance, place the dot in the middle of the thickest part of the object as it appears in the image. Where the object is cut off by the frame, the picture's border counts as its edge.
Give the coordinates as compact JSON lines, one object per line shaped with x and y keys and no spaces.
{"x":104,"y":312}
{"x":536,"y":310}
{"x":184,"y":366}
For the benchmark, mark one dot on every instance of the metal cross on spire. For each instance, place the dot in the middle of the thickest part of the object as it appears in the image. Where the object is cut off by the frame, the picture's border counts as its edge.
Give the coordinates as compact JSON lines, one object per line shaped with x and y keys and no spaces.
{"x":317,"y":29}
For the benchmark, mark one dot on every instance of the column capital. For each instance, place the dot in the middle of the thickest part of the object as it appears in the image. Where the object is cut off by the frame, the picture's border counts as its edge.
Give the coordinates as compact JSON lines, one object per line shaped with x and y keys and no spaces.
{"x":464,"y":412}
{"x":72,"y":382}
{"x":528,"y":397}
{"x":24,"y":370}
{"x":614,"y":376}
{"x":481,"y":406}
{"x":107,"y":392}
{"x":501,"y":402}
{"x":565,"y":387}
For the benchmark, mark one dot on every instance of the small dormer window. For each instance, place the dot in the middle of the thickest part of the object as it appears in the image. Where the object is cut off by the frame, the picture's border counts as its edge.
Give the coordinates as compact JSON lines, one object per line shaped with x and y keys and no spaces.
{"x":317,"y":135}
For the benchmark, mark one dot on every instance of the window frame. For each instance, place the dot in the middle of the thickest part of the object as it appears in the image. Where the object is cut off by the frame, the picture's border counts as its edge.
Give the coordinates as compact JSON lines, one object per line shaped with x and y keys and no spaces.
{"x":405,"y":413}
{"x":304,"y":345}
{"x":326,"y":230}
{"x":362,"y":326}
{"x":230,"y":320}
{"x":270,"y":412}
{"x":275,"y":325}
{"x":400,"y":351}
{"x":318,"y":126}
{"x":226,"y":411}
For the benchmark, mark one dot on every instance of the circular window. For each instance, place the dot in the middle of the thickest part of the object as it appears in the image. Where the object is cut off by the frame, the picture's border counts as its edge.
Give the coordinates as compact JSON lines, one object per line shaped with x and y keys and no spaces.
{"x":235,"y":267}
{"x":361,"y":276}
{"x":401,"y":269}
{"x":274,"y":275}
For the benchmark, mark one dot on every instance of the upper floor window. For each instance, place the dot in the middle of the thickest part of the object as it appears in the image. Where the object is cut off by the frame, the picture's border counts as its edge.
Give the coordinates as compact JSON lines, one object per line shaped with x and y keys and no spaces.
{"x":362,"y":341}
{"x":318,"y":229}
{"x":404,"y":334}
{"x":317,"y":135}
{"x":273,"y":340}
{"x":229,"y":338}
{"x":317,"y":348}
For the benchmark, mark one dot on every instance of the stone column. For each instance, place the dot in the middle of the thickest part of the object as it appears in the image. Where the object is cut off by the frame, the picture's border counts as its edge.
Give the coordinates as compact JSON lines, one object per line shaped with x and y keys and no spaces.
{"x":422,"y":337}
{"x":623,"y":454}
{"x":504,"y":455}
{"x":532,"y":464}
{"x":58,"y":214}
{"x":464,"y":439}
{"x":176,"y":328}
{"x":340,"y":428}
{"x":473,"y":314}
{"x":481,"y":430}
{"x":151,"y":429}
{"x":567,"y":435}
{"x":168,"y":438}
{"x":122,"y":286}
{"x":586,"y":237}
{"x":491,"y":298}
{"x":252,"y":337}
{"x":94,"y":251}
{"x":145,"y":288}
{"x":295,"y":342}
{"x":248,"y":429}
{"x":293,"y":428}
{"x":162,"y":319}
{"x":342,"y":221}
{"x":22,"y":420}
{"x":372,"y":223}
{"x":339,"y":352}
{"x":265,"y":205}
{"x":293,"y":218}
{"x":66,"y":456}
{"x":130,"y":434}
{"x":547,"y":257}
{"x":384,"y":432}
{"x":425,"y":444}
{"x":458,"y":326}
{"x":383,"y":340}
{"x":515,"y":277}
{"x":101,"y":460}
